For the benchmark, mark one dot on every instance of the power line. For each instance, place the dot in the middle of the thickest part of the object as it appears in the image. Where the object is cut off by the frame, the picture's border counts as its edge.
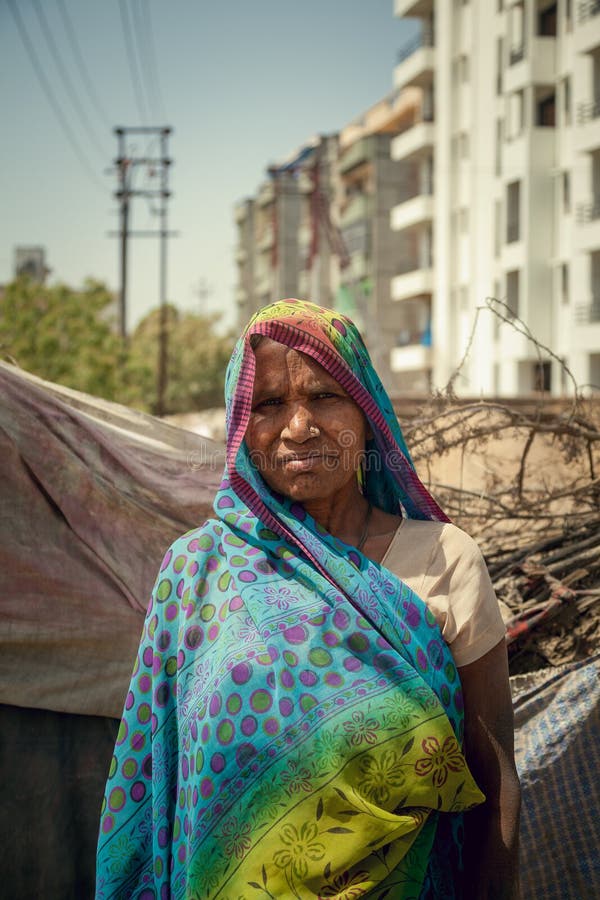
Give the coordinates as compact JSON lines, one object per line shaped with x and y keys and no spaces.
{"x":151,"y":45}
{"x":133,"y":62}
{"x":85,"y":77}
{"x":64,"y":75}
{"x":56,"y":107}
{"x":140,"y":32}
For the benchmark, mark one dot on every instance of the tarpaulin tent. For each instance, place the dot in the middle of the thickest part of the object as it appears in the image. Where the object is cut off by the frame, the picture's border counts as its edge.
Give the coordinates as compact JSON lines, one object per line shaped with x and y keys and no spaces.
{"x":91,"y":495}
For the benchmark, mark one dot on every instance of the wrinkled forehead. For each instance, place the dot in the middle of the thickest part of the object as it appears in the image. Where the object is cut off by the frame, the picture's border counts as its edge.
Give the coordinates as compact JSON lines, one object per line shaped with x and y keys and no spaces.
{"x":275,"y":362}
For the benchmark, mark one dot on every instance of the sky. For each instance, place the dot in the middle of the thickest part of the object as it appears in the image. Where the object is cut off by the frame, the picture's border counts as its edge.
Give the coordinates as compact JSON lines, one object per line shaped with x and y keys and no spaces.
{"x":242,"y":84}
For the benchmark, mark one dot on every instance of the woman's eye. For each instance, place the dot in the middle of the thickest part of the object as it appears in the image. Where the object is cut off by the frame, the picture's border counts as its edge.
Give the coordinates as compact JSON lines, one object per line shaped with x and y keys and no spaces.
{"x":325,"y":395}
{"x":269,"y":401}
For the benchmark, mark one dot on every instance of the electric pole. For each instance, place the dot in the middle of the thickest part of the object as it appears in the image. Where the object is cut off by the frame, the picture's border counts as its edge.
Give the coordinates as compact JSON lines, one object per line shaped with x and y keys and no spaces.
{"x":126,"y":165}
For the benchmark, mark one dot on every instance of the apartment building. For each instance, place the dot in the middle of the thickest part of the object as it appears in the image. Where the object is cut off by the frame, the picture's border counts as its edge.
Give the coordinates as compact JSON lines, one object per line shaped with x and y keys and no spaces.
{"x":371,"y":185}
{"x":319,"y":228}
{"x":287,"y":243}
{"x":507,"y":151}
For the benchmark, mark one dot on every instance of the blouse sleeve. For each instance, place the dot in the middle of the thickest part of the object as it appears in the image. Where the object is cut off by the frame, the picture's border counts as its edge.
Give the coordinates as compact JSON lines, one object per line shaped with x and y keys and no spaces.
{"x":460,"y":593}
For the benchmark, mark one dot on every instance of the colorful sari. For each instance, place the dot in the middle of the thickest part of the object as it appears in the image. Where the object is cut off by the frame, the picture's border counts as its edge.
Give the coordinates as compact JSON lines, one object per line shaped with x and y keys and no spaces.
{"x":293,"y":726}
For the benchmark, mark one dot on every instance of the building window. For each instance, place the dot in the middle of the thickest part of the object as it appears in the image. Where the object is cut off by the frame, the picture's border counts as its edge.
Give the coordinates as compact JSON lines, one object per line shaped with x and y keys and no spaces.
{"x":516,"y":113}
{"x":513,"y":212}
{"x":566,"y":192}
{"x":547,"y":21}
{"x":542,"y":376}
{"x":546,"y":111}
{"x":564,"y":283}
{"x":497,"y":319}
{"x":499,"y":136}
{"x":512,"y":293}
{"x":516,"y":31}
{"x":568,"y":15}
{"x":497,"y":232}
{"x":499,"y":65}
{"x":463,"y":220}
{"x":594,"y":371}
{"x":567,"y":100}
{"x":463,"y":145}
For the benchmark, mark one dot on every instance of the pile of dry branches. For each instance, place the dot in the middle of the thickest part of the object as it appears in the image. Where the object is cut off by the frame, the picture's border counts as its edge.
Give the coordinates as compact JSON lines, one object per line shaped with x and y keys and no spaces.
{"x":523,"y":477}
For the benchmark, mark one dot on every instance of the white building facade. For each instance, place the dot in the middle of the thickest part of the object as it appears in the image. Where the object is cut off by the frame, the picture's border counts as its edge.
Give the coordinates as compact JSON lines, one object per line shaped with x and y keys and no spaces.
{"x":507,"y":162}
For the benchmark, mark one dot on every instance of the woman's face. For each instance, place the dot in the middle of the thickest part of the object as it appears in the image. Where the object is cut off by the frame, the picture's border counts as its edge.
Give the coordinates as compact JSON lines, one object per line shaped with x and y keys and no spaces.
{"x":305,"y":434}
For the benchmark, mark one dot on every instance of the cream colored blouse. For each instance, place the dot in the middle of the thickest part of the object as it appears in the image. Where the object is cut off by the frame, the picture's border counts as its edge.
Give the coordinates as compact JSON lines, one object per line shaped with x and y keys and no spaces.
{"x":445,"y":568}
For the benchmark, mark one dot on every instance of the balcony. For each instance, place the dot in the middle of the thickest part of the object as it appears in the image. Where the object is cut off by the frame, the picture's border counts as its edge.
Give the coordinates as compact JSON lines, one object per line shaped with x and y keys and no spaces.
{"x":266,"y":194}
{"x":538,"y":66}
{"x":587,"y":313}
{"x":306,"y":184}
{"x":413,"y":357}
{"x":359,"y":152}
{"x":416,"y":61}
{"x":587,"y":112}
{"x":587,"y":133}
{"x":411,"y":213}
{"x":588,"y":212}
{"x":304,"y":235}
{"x":263,"y":284}
{"x":414,"y":142}
{"x":586,"y":36}
{"x":266,"y":240}
{"x":416,"y":8}
{"x":359,"y":207}
{"x":412,"y":284}
{"x":357,"y":268}
{"x":586,"y":10}
{"x":587,"y":215}
{"x":534,"y":149}
{"x":516,"y":54}
{"x":515,"y":156}
{"x":513,"y":232}
{"x":242,"y":210}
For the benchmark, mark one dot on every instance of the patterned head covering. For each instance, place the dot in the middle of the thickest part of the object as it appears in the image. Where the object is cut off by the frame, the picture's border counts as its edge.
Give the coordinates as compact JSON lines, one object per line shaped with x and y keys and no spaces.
{"x":335,"y":343}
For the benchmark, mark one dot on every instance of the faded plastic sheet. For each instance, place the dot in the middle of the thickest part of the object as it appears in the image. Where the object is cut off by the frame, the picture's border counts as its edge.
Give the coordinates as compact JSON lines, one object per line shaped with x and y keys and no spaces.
{"x":91,"y":495}
{"x":557,"y":742}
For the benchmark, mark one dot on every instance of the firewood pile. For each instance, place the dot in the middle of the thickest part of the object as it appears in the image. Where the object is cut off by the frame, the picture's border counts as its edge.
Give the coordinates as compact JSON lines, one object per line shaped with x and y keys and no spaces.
{"x":523,"y":478}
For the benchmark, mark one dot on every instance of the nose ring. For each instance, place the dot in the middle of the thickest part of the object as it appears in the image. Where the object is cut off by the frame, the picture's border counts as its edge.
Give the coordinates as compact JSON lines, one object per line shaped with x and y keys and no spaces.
{"x":314,"y":430}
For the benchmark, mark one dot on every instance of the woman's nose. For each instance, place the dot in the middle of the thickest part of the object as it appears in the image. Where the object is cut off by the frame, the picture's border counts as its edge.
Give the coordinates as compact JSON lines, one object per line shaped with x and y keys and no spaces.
{"x":299,"y":426}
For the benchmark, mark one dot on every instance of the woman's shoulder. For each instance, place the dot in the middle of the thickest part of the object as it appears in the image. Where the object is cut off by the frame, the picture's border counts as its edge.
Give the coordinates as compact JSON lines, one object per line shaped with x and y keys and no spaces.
{"x":431,"y":539}
{"x":196,"y":539}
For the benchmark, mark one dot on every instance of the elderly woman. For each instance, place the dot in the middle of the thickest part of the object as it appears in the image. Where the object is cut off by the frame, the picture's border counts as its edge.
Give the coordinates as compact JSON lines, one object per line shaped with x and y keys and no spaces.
{"x":320,"y":704}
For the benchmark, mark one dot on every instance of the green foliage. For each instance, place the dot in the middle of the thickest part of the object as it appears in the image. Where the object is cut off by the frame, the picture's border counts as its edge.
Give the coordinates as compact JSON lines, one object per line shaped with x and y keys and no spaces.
{"x":62,"y":335}
{"x":70,"y":337}
{"x":197,"y":359}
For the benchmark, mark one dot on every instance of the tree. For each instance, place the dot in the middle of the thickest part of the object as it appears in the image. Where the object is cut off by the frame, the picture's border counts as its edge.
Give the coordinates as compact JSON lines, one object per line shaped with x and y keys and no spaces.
{"x":62,"y":335}
{"x":69,"y":336}
{"x":197,"y":359}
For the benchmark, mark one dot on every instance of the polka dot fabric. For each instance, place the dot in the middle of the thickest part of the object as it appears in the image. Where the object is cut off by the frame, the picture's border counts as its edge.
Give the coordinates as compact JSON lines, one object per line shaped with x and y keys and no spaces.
{"x":293,"y":723}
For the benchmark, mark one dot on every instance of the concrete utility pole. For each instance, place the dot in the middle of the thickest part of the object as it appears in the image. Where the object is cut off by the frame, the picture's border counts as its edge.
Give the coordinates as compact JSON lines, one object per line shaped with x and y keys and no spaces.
{"x":126,"y":166}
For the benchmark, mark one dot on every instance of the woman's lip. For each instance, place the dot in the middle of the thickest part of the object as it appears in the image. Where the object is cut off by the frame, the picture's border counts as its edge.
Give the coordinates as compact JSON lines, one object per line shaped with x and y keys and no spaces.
{"x":302,"y":463}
